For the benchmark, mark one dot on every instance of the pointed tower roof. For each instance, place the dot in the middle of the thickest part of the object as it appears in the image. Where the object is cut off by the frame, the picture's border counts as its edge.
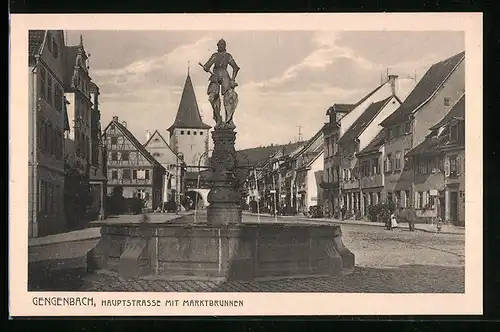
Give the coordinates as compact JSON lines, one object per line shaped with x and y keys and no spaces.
{"x":188,"y":114}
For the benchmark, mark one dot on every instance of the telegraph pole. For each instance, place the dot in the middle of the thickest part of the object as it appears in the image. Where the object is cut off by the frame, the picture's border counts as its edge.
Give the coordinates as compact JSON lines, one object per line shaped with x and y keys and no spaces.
{"x":299,"y":138}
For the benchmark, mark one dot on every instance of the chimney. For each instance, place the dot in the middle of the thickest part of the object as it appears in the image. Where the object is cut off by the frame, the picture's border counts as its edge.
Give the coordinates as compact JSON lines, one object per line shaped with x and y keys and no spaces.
{"x":392,"y":82}
{"x":124,"y":123}
{"x":148,"y":135}
{"x":115,"y":118}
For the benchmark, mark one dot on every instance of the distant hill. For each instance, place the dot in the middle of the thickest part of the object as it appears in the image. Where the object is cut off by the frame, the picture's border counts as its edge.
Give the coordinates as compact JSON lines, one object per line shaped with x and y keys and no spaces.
{"x":260,"y":154}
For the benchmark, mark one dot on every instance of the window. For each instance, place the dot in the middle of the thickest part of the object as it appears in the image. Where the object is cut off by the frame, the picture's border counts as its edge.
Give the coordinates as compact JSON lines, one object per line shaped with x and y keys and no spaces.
{"x":408,"y":128}
{"x":114,"y":156}
{"x":114,"y":140}
{"x":407,"y":198}
{"x":453,"y":166}
{"x":43,"y":74}
{"x":389,"y":197}
{"x":125,"y":156}
{"x":388,"y":163}
{"x":49,"y":89}
{"x":114,"y":175}
{"x":397,"y":131}
{"x":201,"y":133}
{"x":446,"y":101}
{"x":126,"y":174}
{"x":156,"y":154}
{"x":420,"y":200}
{"x":375,"y":166}
{"x":390,"y":133}
{"x":182,"y":132}
{"x":454,"y":133}
{"x":55,"y":48}
{"x":58,"y":98}
{"x":188,"y":133}
{"x":147,"y":174}
{"x":397,"y":165}
{"x":398,"y":198}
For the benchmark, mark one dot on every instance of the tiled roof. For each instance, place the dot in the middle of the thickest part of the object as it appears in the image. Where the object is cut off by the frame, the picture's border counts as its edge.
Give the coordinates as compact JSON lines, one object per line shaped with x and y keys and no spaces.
{"x":342,"y":108}
{"x":346,"y":108}
{"x":135,"y":142}
{"x":375,"y":143}
{"x":456,"y":112}
{"x":35,"y":41}
{"x":259,"y":155}
{"x":435,"y":140}
{"x":426,"y":87}
{"x":188,"y":114}
{"x":363,"y":120}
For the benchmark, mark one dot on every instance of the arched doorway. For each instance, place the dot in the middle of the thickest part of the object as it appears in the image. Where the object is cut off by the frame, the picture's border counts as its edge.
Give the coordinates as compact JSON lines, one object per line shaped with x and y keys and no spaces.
{"x":198,"y":197}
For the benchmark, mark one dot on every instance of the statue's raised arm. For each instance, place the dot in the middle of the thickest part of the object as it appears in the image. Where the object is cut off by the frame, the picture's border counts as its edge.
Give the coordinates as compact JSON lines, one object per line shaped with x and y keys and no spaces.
{"x":221,"y":83}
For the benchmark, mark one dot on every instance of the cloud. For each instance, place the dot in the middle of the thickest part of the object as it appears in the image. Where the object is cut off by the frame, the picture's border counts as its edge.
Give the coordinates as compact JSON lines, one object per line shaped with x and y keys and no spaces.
{"x":288,"y":79}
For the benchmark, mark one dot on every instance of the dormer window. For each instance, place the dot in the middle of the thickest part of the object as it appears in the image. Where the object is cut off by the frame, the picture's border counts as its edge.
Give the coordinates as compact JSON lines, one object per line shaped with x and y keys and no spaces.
{"x":188,"y":132}
{"x":182,"y":132}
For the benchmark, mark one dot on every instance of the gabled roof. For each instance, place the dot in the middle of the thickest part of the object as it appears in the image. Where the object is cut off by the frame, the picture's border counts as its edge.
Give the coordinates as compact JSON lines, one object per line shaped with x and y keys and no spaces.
{"x":188,"y":114}
{"x":375,"y":143}
{"x":341,"y":108}
{"x":135,"y":142}
{"x":259,"y":155}
{"x":439,"y":138}
{"x":346,"y":108}
{"x":35,"y":41}
{"x":456,"y":112}
{"x":310,"y":142}
{"x":434,"y":78}
{"x":363,"y":120}
{"x":156,"y":132}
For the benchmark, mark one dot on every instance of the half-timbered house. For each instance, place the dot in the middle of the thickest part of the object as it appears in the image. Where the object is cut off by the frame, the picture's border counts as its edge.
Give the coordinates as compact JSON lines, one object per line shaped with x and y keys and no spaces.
{"x":131,"y":167}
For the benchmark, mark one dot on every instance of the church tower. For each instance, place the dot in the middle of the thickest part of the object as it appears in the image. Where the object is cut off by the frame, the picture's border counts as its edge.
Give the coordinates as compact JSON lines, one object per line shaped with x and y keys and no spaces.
{"x":189,"y":135}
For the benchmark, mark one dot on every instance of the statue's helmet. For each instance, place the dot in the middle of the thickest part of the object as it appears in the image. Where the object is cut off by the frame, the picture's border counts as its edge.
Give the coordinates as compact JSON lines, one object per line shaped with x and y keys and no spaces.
{"x":221,"y":44}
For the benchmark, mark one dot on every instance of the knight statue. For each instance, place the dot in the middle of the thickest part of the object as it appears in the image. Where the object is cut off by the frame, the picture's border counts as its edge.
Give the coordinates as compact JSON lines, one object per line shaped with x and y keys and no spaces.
{"x":221,"y":83}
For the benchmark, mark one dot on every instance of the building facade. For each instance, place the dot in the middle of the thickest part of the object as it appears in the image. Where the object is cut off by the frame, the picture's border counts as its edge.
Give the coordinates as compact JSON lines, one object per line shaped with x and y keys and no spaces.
{"x":438,"y":90}
{"x":79,"y":194}
{"x":97,"y":176}
{"x":438,"y":165}
{"x":159,"y":148}
{"x":351,"y":129}
{"x":47,"y":121}
{"x":131,"y":167}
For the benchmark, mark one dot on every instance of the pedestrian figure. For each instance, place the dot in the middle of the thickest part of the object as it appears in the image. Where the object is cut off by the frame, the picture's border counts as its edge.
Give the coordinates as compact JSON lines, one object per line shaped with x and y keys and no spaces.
{"x":394,"y":222}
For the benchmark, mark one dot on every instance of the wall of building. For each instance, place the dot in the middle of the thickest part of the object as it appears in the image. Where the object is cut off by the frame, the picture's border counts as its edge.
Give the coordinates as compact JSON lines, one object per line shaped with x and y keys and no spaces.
{"x":374,"y":128}
{"x":192,"y":143}
{"x":314,"y":192}
{"x":432,"y":112}
{"x":46,"y":178}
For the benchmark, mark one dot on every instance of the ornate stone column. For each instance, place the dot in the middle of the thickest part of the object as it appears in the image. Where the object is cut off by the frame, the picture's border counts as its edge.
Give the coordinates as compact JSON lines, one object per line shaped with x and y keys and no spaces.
{"x":224,"y":196}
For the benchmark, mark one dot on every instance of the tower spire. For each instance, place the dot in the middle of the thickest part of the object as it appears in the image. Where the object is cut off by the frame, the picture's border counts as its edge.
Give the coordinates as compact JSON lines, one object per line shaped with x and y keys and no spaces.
{"x":188,"y":67}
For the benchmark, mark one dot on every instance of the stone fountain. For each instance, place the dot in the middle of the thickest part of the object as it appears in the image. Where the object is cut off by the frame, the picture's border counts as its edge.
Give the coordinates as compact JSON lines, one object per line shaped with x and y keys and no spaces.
{"x":221,"y":244}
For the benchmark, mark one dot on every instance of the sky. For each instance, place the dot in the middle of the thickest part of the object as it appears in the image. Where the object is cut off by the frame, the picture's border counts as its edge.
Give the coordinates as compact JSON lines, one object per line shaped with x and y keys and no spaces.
{"x":287,"y":80}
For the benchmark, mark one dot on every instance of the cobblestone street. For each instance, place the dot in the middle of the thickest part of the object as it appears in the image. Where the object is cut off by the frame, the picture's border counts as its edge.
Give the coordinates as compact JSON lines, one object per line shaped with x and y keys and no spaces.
{"x":395,"y":261}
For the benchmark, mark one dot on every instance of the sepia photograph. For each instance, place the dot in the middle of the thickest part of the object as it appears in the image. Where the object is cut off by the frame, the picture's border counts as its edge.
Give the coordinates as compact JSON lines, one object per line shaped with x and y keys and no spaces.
{"x":246,"y":161}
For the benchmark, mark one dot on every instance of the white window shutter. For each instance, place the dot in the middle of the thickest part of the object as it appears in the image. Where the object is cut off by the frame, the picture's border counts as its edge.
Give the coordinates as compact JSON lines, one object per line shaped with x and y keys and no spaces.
{"x":446,"y":167}
{"x":415,"y":200}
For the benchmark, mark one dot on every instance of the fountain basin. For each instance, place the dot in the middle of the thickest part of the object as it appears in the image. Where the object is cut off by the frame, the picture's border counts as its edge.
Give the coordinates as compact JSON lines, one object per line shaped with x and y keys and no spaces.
{"x":237,"y":251}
